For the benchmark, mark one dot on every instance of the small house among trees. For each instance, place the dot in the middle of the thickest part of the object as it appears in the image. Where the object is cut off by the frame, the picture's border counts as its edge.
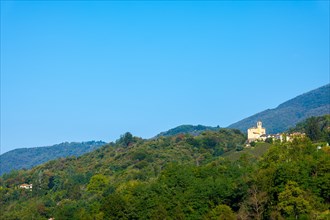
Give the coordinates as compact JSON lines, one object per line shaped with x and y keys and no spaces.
{"x":25,"y":186}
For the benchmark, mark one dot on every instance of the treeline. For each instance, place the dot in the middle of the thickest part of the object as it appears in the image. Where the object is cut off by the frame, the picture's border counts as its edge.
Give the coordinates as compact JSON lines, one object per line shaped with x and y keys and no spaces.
{"x":179,"y":177}
{"x":188,"y":129}
{"x":316,"y":128}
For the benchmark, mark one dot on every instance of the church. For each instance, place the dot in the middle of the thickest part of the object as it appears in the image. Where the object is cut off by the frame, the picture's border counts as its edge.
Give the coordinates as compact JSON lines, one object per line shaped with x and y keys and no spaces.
{"x":254,"y":133}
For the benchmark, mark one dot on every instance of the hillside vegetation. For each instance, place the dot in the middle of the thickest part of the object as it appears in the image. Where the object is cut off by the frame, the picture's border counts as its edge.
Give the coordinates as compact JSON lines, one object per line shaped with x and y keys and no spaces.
{"x":288,"y":114}
{"x":26,"y":158}
{"x":316,"y":128}
{"x":177,"y":177}
{"x":187,"y":129}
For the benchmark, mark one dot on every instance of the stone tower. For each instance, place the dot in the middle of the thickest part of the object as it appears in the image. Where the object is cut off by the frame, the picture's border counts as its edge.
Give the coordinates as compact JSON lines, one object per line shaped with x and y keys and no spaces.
{"x":259,"y":125}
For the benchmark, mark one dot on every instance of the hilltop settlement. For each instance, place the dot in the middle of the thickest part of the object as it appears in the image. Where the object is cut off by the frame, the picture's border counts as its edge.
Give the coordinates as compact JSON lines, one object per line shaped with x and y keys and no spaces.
{"x":183,"y":176}
{"x":258,"y":133}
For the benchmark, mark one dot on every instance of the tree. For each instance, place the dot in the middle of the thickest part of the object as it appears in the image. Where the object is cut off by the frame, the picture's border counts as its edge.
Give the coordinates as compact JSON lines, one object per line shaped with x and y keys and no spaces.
{"x":313,"y":130}
{"x":293,"y":202}
{"x":269,"y":140}
{"x":253,"y":144}
{"x":126,"y":139}
{"x":256,"y":201}
{"x":115,"y":207}
{"x":97,"y":183}
{"x":221,"y":212}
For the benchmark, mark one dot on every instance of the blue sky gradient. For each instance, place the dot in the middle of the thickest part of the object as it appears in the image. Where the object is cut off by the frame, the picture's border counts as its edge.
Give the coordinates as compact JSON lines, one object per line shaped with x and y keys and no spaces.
{"x":78,"y":71}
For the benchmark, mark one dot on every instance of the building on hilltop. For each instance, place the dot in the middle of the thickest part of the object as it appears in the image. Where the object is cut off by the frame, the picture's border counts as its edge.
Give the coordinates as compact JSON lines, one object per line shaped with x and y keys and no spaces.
{"x":255,"y":133}
{"x":259,"y":134}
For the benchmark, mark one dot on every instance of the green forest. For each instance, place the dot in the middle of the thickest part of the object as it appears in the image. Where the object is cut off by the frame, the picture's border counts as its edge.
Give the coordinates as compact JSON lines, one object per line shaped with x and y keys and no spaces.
{"x":208,"y":176}
{"x":26,"y":158}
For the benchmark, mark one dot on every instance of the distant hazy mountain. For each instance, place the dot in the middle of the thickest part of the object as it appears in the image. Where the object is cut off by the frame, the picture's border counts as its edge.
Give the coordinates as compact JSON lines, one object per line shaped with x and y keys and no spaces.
{"x":288,"y":114}
{"x":187,"y":129}
{"x":26,"y":158}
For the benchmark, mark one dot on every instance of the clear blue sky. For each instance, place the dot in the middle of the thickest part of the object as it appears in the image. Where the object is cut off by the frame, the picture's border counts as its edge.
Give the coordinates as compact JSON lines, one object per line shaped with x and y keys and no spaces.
{"x":78,"y":71}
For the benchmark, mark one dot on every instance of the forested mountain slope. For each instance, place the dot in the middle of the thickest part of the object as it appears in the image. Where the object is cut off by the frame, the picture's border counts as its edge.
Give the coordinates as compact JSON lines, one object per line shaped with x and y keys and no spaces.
{"x":288,"y":114}
{"x":316,"y":128}
{"x":26,"y":158}
{"x":177,"y":177}
{"x":187,"y":129}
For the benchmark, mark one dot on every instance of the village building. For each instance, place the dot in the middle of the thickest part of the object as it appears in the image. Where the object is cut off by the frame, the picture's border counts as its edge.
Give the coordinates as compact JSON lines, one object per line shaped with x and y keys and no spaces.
{"x":290,"y":137}
{"x":274,"y":137}
{"x":255,"y":133}
{"x":25,"y":186}
{"x":259,"y":134}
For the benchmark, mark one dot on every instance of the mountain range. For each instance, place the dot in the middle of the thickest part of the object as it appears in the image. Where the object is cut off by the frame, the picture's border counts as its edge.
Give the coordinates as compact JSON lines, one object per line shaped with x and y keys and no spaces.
{"x":26,"y":158}
{"x":289,"y":113}
{"x":207,"y":176}
{"x":280,"y":119}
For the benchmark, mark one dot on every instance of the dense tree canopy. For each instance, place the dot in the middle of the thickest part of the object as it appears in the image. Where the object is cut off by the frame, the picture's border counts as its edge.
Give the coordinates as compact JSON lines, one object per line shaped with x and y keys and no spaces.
{"x":316,"y":128}
{"x":177,"y":177}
